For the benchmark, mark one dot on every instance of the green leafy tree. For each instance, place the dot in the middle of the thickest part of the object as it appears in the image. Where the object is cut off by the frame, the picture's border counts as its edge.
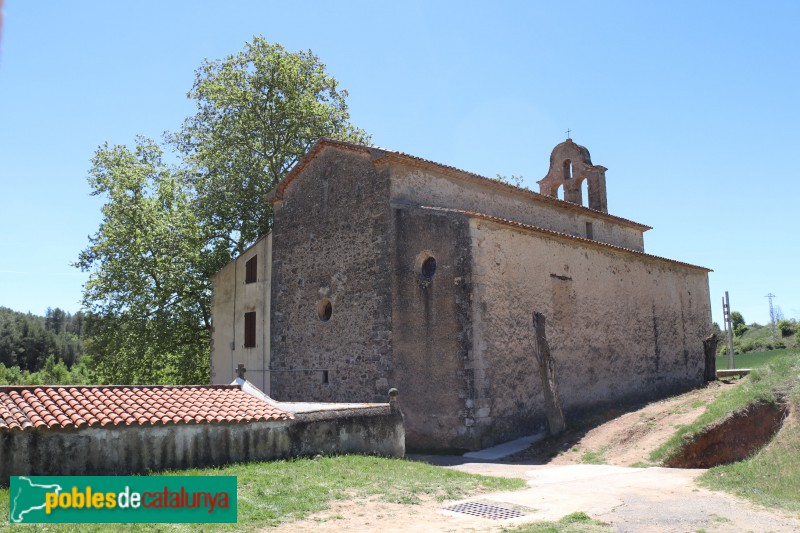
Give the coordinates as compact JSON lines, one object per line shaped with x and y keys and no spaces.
{"x":166,"y":230}
{"x":737,"y":319}
{"x":147,"y":291}
{"x":55,"y":320}
{"x":54,"y":372}
{"x":258,"y":112}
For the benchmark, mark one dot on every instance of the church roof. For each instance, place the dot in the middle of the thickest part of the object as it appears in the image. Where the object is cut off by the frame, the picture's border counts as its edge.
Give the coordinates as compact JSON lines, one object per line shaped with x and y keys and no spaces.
{"x":383,"y":155}
{"x":560,"y":235}
{"x":70,"y":406}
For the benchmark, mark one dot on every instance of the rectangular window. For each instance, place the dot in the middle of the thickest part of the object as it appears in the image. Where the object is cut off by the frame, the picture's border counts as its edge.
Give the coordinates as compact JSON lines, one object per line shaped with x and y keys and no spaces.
{"x":250,"y":330}
{"x":251,"y":270}
{"x":589,"y":232}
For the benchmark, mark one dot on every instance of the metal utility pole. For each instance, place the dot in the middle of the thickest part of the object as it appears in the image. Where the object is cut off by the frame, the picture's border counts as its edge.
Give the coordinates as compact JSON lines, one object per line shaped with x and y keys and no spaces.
{"x":771,"y":314}
{"x":726,"y":318}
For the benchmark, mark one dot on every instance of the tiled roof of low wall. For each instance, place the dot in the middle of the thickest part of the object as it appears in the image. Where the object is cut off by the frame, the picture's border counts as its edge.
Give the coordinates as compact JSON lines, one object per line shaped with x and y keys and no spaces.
{"x":102,"y":406}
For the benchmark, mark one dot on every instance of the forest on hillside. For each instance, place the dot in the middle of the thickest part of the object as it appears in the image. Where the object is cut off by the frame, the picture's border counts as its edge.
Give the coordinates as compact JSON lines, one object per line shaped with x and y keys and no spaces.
{"x":41,"y":349}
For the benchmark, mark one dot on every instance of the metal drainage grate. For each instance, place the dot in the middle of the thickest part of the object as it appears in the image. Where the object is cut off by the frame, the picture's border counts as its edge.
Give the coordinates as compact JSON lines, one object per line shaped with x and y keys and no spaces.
{"x":495,"y":512}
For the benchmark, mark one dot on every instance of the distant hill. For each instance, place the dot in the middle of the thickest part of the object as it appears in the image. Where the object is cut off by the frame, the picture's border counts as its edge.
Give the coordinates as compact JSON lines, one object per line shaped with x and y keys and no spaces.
{"x":27,"y":340}
{"x":758,"y":338}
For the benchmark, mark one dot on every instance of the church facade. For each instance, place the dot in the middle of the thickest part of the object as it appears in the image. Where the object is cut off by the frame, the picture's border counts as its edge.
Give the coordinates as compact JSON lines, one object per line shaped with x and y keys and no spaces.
{"x":387,"y":270}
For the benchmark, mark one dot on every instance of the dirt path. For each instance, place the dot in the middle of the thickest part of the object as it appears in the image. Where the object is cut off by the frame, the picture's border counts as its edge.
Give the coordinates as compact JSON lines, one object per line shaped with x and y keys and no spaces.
{"x":561,"y":482}
{"x":625,"y":438}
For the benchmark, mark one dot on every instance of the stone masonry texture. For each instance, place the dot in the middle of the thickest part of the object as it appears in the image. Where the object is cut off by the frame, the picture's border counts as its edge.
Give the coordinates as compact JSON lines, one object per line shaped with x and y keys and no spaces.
{"x":388,"y":270}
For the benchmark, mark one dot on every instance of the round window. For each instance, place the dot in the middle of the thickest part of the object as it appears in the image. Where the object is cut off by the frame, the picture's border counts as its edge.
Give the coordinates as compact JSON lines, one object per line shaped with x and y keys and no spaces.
{"x":324,"y":309}
{"x":428,"y":268}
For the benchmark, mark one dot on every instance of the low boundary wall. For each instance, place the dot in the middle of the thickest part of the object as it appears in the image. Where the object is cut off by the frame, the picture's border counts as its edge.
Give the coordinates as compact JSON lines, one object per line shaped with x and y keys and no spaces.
{"x":375,"y":429}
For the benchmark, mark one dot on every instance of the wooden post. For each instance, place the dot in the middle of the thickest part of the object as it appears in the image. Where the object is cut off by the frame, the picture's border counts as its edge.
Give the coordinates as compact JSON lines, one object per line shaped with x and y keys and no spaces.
{"x":732,"y":364}
{"x":710,"y":349}
{"x":547,"y":371}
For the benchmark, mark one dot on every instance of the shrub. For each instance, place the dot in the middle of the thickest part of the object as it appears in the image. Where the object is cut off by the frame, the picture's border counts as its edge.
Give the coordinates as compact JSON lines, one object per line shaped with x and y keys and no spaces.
{"x":55,"y":372}
{"x":748,"y":346}
{"x":786,"y":328}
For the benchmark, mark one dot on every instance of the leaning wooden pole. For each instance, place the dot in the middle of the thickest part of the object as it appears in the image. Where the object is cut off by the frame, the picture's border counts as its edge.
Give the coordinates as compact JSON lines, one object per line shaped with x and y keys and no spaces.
{"x":547,"y":371}
{"x":710,"y":349}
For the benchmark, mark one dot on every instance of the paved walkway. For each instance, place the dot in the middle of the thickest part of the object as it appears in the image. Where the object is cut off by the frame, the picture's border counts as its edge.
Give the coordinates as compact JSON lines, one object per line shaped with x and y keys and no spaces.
{"x":630,"y":499}
{"x":504,"y":450}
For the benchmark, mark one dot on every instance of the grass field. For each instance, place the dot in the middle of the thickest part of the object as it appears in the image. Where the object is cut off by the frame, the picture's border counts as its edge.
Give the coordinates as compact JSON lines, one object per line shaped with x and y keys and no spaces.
{"x":275,"y":492}
{"x":751,"y":359}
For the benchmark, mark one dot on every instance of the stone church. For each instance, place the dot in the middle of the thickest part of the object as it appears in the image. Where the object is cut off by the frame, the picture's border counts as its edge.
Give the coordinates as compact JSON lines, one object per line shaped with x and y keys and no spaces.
{"x":388,"y":270}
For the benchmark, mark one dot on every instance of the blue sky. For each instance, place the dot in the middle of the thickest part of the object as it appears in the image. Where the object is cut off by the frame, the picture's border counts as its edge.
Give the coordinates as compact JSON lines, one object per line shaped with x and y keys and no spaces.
{"x":692,"y":106}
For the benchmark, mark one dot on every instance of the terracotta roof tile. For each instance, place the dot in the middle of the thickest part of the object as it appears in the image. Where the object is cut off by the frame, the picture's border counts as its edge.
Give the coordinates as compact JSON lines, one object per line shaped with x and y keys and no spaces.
{"x":97,"y":406}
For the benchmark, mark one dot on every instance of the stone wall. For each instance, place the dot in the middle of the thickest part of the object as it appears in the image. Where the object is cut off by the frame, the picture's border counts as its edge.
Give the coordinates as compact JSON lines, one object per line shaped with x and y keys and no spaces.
{"x":353,"y":312}
{"x":369,"y":430}
{"x":422,"y":186}
{"x":621,"y":327}
{"x":138,"y":449}
{"x":330,"y":247}
{"x":431,"y":327}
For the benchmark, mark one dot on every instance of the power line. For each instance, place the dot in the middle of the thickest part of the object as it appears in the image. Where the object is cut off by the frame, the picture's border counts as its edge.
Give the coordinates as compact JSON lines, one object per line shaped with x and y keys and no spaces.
{"x":771,"y":314}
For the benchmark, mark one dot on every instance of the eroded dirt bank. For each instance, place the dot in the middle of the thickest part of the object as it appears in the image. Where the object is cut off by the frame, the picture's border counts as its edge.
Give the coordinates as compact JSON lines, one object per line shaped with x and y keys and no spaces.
{"x":737,"y":437}
{"x":623,"y":438}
